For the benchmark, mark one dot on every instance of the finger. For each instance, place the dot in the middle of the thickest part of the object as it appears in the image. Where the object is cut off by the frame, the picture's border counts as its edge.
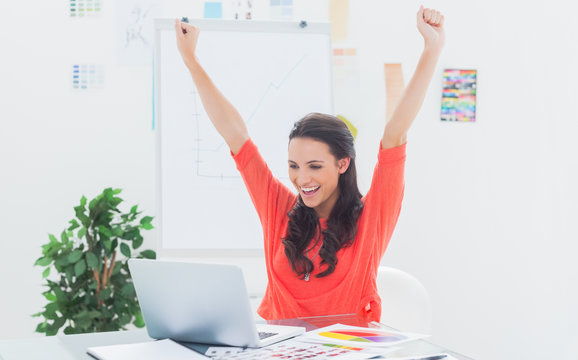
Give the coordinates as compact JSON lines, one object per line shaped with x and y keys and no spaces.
{"x":419,"y":14}
{"x":441,"y":21}
{"x":438,"y":18}
{"x":435,"y":17}
{"x":427,"y":15}
{"x":178,"y":28}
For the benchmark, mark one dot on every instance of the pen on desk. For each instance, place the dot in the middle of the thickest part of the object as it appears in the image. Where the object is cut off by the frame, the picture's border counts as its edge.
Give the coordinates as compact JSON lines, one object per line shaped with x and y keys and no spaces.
{"x":431,"y":357}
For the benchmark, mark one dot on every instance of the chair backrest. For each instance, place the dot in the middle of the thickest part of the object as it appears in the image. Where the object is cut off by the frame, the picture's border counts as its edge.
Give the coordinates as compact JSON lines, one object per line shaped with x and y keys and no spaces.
{"x":405,"y":303}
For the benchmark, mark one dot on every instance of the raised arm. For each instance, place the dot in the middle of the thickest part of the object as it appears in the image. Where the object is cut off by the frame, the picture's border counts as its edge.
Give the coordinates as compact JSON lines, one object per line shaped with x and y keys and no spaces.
{"x":222,"y":113}
{"x":430,"y":25}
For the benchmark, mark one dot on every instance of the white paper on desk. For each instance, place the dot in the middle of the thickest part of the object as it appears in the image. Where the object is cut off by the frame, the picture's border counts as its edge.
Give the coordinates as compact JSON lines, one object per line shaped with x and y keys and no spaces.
{"x":161,"y":349}
{"x":420,"y":357}
{"x":356,"y":336}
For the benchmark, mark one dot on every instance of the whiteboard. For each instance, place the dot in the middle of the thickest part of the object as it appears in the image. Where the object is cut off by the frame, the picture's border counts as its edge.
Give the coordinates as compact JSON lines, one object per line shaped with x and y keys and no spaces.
{"x":273,"y":73}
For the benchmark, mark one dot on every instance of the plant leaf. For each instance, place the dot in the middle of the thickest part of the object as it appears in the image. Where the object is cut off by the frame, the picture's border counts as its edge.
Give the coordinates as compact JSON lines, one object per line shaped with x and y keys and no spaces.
{"x":64,"y":237}
{"x":125,"y":250}
{"x":105,"y":294}
{"x":148,"y":254}
{"x":81,"y":232}
{"x":139,"y":321}
{"x":128,"y":290}
{"x":137,"y":242}
{"x":53,"y":238}
{"x":107,"y":245}
{"x":41,"y":328}
{"x":43,"y":261}
{"x":50,"y":297}
{"x":148,"y":226}
{"x":73,"y":225}
{"x":91,"y":260}
{"x":45,"y":273}
{"x":80,"y":268}
{"x":146,"y":220}
{"x":74,"y":256}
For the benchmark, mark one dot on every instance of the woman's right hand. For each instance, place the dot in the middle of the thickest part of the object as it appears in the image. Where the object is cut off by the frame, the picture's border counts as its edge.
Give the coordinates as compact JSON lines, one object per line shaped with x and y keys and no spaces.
{"x":187,"y":36}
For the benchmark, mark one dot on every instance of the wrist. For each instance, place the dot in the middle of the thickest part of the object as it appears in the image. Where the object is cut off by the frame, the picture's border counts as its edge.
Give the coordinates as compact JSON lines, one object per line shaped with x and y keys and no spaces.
{"x":192,"y":62}
{"x":433,"y":49}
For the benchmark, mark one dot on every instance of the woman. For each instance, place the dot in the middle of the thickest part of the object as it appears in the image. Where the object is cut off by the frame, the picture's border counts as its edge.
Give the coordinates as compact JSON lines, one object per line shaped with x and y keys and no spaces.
{"x":324,"y":245}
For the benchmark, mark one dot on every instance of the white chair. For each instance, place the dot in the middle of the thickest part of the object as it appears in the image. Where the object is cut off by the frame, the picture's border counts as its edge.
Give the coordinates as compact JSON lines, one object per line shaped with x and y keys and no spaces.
{"x":405,"y":303}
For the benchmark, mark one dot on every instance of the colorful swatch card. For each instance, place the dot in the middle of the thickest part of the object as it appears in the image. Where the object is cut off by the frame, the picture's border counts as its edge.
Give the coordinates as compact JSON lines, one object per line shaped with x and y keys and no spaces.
{"x":281,"y":9}
{"x":82,"y":8}
{"x":459,"y":95}
{"x":87,"y":76}
{"x":345,"y":68}
{"x":295,"y":350}
{"x":361,"y":337}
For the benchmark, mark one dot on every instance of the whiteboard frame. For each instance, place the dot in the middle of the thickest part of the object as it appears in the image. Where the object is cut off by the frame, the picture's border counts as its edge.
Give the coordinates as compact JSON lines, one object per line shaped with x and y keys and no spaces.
{"x":225,"y":26}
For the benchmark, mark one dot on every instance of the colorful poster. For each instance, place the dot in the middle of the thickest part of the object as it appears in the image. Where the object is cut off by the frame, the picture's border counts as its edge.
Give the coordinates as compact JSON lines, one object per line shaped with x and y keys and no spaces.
{"x":459,"y":95}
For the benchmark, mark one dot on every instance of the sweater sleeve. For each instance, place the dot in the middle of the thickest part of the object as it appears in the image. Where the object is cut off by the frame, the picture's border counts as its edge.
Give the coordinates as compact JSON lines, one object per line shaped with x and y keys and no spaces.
{"x":271,"y":198}
{"x":383,"y":200}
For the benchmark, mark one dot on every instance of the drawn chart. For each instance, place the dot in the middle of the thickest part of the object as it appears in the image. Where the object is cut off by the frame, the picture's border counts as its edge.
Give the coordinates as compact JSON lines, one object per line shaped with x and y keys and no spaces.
{"x":273,"y":79}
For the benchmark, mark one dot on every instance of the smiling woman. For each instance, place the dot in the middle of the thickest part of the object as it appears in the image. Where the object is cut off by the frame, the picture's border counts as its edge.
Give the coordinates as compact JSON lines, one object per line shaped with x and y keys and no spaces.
{"x":322,"y":246}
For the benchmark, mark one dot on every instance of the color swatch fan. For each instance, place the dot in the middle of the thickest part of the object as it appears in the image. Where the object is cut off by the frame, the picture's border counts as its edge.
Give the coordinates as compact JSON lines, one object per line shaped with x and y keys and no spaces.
{"x":358,"y":336}
{"x":366,"y":336}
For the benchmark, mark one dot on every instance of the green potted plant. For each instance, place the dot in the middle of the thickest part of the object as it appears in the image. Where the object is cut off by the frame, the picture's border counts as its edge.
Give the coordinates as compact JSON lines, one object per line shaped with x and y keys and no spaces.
{"x":89,"y":288}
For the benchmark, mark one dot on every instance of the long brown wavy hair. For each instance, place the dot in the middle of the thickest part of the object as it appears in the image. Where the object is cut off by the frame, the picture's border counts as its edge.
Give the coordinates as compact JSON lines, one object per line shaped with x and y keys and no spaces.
{"x":342,"y":222}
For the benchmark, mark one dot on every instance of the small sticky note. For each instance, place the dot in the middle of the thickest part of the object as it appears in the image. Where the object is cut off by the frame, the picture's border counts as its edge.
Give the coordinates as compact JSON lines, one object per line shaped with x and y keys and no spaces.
{"x":213,"y":10}
{"x":339,"y":16}
{"x":394,"y":87}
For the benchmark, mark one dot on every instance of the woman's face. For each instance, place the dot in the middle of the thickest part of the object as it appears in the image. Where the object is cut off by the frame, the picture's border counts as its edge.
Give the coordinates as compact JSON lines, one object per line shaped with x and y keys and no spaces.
{"x":314,"y":172}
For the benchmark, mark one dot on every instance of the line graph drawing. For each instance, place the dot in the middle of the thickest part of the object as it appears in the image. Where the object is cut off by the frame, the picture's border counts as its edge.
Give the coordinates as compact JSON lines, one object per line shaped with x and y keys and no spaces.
{"x":197,"y":116}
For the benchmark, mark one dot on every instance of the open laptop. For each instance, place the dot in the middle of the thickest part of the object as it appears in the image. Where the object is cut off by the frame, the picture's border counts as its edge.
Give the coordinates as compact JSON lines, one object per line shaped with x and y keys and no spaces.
{"x":200,"y":303}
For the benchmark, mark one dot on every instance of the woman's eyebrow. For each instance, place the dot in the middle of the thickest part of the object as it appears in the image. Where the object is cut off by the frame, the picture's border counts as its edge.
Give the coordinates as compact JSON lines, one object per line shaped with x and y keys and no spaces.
{"x":308,"y":162}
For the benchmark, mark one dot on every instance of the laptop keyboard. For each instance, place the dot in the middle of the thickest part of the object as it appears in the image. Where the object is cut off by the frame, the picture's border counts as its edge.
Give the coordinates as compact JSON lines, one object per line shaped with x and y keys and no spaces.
{"x":264,"y":335}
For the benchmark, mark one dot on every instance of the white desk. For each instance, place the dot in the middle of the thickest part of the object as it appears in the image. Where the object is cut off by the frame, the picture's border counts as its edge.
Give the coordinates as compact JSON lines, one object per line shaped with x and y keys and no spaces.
{"x":69,"y":347}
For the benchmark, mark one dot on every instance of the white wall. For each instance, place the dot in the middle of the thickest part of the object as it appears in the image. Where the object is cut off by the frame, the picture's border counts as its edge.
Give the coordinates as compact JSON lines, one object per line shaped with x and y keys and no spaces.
{"x":487,"y":218}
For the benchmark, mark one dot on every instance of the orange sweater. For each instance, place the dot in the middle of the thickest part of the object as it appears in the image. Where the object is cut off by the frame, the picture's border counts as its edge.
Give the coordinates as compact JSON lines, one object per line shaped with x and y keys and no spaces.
{"x":351,"y":288}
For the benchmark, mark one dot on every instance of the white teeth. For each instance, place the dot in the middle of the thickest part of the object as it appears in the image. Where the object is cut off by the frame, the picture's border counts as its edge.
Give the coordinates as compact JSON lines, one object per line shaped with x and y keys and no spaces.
{"x":309,"y":189}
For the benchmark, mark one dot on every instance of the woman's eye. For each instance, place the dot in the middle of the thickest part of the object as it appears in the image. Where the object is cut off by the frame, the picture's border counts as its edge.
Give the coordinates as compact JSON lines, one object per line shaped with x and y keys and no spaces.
{"x":315,"y":167}
{"x":293,"y":166}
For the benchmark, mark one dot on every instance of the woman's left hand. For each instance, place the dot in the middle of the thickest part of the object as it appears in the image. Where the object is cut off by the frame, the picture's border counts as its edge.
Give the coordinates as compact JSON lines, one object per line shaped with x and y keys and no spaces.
{"x":430,"y":25}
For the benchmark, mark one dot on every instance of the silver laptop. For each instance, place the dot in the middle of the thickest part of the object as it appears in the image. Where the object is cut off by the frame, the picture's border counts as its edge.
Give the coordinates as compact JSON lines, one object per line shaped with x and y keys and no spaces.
{"x":201,"y":303}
